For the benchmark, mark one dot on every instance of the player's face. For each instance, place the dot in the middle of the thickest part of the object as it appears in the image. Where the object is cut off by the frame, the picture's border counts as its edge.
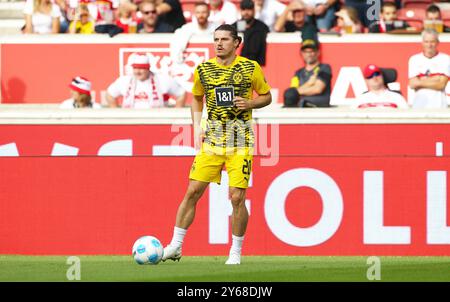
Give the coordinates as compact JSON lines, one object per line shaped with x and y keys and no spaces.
{"x":224,"y":44}
{"x":248,"y":14}
{"x":201,"y":13}
{"x":430,"y":44}
{"x":389,"y":14}
{"x":310,"y":56}
{"x":141,"y":74}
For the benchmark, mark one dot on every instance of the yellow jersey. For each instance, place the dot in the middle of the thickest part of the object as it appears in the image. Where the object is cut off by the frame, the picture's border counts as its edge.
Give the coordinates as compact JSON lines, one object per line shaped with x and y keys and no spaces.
{"x":228,"y":126}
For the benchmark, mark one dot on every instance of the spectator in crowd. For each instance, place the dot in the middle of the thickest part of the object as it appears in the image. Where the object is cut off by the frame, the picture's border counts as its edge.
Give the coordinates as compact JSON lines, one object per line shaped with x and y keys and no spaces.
{"x":170,"y":12}
{"x":41,"y":17}
{"x":144,"y":89}
{"x":199,"y":25}
{"x":388,"y":21}
{"x":428,"y":73}
{"x":82,"y":23}
{"x":127,"y":20}
{"x":433,"y":17}
{"x":311,"y":85}
{"x":64,"y":20}
{"x":80,"y":90}
{"x":378,"y":94}
{"x":151,"y":23}
{"x":321,"y":13}
{"x":347,"y":21}
{"x":223,"y":12}
{"x":296,"y":11}
{"x":105,"y":17}
{"x":365,"y":10}
{"x":255,"y":33}
{"x":268,"y":11}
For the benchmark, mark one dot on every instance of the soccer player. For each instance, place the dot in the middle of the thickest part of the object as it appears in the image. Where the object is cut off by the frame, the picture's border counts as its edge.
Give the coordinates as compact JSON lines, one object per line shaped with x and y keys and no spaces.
{"x":227,"y":82}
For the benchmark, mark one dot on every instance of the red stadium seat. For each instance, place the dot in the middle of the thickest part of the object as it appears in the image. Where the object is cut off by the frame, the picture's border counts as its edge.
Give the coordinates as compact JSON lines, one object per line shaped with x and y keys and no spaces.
{"x":445,"y":14}
{"x":414,"y":16}
{"x":416,"y":3}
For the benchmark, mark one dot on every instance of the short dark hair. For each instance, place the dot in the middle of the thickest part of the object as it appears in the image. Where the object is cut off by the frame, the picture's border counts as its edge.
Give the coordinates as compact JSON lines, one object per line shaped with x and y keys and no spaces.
{"x":231,"y":29}
{"x":433,"y":8}
{"x":247,"y":4}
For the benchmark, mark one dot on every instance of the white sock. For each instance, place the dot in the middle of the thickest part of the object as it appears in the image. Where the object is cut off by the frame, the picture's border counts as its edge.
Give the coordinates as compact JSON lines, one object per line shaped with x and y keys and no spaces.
{"x":236,"y":246}
{"x":178,"y":236}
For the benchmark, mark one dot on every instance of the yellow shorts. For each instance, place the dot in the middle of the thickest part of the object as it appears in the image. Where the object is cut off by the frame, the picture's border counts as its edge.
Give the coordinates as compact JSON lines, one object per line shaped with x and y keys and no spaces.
{"x":209,"y":162}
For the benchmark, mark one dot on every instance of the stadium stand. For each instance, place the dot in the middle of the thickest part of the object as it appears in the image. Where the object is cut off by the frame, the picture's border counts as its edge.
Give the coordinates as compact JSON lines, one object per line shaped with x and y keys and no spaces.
{"x":414,"y":16}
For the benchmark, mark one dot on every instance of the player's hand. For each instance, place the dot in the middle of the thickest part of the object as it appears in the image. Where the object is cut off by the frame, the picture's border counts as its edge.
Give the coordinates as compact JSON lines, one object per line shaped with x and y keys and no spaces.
{"x":199,"y":136}
{"x":241,"y":103}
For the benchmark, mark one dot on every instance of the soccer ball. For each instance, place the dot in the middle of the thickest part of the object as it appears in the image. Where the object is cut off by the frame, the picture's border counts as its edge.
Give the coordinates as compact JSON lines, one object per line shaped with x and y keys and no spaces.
{"x":147,"y":250}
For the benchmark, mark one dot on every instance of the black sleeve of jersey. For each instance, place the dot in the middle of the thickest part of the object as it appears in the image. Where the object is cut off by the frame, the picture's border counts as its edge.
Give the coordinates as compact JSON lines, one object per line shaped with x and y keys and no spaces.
{"x":325,"y":74}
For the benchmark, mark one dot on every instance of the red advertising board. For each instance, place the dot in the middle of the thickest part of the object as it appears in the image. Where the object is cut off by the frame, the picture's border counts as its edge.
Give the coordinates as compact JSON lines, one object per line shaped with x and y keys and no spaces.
{"x":325,"y":190}
{"x":285,"y":139}
{"x":301,"y":206}
{"x":43,"y":76}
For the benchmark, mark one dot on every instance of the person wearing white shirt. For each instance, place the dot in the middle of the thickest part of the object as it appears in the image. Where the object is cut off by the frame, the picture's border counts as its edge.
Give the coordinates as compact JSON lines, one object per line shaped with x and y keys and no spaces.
{"x":222,"y":12}
{"x":41,"y":17}
{"x":268,"y":11}
{"x":144,"y":89}
{"x":322,"y":12}
{"x":378,"y":94}
{"x":199,"y":26}
{"x":80,"y":90}
{"x":428,"y":73}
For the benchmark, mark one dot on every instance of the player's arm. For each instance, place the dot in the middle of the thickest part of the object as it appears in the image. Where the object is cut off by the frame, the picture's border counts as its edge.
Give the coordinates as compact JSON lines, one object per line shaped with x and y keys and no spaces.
{"x":435,"y":82}
{"x":196,"y":114}
{"x":260,"y":101}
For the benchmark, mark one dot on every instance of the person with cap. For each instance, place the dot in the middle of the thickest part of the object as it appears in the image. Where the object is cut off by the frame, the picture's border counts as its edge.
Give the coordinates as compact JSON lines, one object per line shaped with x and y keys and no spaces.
{"x":255,"y":33}
{"x":80,"y":90}
{"x":311,"y":84}
{"x":378,"y":94}
{"x":428,"y":73}
{"x":144,"y":89}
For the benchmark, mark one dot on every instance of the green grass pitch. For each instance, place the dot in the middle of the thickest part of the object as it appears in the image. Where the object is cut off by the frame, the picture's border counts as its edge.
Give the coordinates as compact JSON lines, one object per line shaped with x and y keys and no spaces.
{"x":253,"y":268}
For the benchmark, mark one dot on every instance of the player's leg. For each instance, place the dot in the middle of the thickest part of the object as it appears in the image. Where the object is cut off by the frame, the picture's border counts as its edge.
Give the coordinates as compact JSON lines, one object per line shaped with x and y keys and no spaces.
{"x":239,"y":220}
{"x":205,"y":169}
{"x":185,"y":217}
{"x":239,"y":167}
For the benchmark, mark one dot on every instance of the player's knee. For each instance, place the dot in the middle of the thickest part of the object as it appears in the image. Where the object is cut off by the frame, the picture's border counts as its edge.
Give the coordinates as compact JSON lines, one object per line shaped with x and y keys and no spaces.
{"x":237,"y":199}
{"x":194,"y":193}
